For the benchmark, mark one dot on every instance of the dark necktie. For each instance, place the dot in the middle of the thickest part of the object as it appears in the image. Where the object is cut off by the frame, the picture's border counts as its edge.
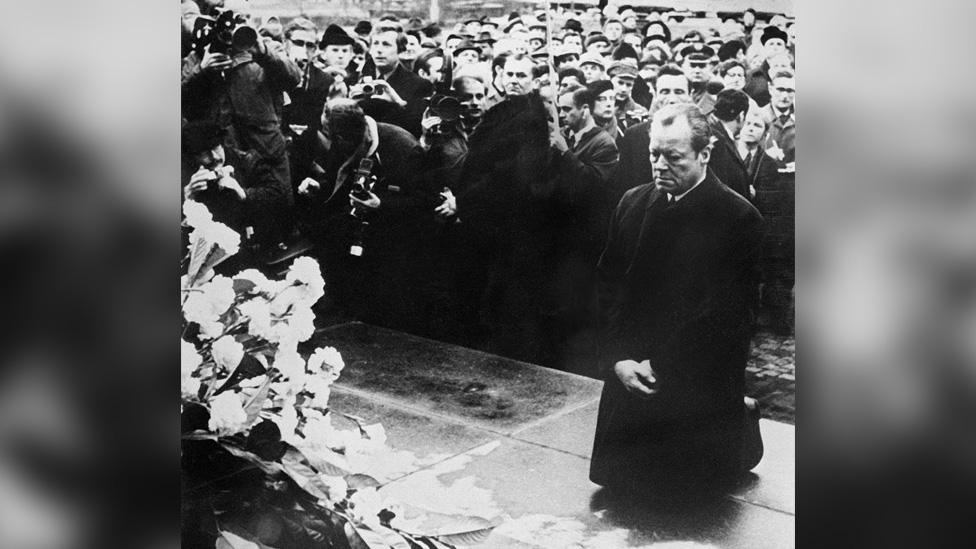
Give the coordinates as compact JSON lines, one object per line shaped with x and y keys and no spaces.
{"x":571,"y":142}
{"x":748,"y":161}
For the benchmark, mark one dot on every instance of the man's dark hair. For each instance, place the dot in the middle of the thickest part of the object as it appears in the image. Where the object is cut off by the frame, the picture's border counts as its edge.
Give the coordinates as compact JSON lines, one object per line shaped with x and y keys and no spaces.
{"x":538,"y":71}
{"x":571,"y":71}
{"x":725,"y":66}
{"x":347,"y":121}
{"x":671,"y":70}
{"x":423,"y":60}
{"x":499,"y":62}
{"x":700,"y":131}
{"x":729,"y":104}
{"x":200,"y":136}
{"x":582,"y":96}
{"x":730,"y":49}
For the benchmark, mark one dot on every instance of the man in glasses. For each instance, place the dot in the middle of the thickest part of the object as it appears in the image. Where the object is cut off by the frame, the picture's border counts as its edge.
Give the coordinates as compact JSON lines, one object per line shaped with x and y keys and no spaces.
{"x":695,"y":65}
{"x":781,"y":116}
{"x":306,"y":100}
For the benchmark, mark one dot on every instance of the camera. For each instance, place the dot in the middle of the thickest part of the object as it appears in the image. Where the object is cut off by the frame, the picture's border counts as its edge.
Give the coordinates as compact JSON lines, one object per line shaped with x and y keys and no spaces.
{"x":229,"y":31}
{"x":362,"y":183}
{"x":448,"y":109}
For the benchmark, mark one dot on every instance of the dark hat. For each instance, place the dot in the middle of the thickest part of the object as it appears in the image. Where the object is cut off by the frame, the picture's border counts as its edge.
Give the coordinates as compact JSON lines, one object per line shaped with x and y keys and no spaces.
{"x":472,"y":20}
{"x":415,"y":24}
{"x":512,"y":23}
{"x":660,"y":37}
{"x":484,"y":37}
{"x":730,"y":103}
{"x":537,"y":26}
{"x":599,"y":86}
{"x":596,"y":38}
{"x":201,"y":135}
{"x":454,"y":35}
{"x":697,"y":50}
{"x":573,"y":24}
{"x":540,"y":53}
{"x":363,"y":27}
{"x":730,"y":49}
{"x":624,"y":50}
{"x":771,"y":32}
{"x":335,"y":36}
{"x":466,"y":45}
{"x":624,"y":68}
{"x":513,"y":16}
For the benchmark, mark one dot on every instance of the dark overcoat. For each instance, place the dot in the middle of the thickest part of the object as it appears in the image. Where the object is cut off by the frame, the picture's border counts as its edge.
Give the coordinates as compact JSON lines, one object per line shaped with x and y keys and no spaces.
{"x":678,"y":287}
{"x":725,"y":162}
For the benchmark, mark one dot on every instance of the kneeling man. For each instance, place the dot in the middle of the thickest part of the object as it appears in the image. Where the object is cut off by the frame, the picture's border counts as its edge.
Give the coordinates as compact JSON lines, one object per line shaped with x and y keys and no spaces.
{"x":678,"y":287}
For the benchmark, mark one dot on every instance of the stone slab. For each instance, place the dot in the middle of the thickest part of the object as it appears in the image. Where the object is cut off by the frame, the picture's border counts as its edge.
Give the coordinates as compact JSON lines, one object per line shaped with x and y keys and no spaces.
{"x":416,"y":441}
{"x":571,"y":432}
{"x":547,"y":501}
{"x":482,"y":390}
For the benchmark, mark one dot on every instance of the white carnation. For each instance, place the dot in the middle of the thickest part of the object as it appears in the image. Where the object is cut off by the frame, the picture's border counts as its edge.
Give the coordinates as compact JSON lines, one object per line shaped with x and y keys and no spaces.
{"x":256,"y":277}
{"x":220,"y":235}
{"x":290,"y":364}
{"x":327,"y":360}
{"x":189,"y":362}
{"x":258,"y":313}
{"x":305,"y":274}
{"x":320,"y":391}
{"x":196,"y":214}
{"x":227,"y":352}
{"x":227,"y":415}
{"x":205,"y":305}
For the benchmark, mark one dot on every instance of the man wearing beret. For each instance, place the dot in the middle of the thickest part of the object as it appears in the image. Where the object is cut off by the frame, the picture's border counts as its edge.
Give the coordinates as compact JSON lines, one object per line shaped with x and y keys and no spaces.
{"x":628,"y":112}
{"x":598,"y":44}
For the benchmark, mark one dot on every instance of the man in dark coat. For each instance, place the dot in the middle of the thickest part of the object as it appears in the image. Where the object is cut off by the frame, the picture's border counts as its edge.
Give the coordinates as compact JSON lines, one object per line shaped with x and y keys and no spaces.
{"x":678,"y":287}
{"x":242,"y":91}
{"x":725,"y":121}
{"x":317,"y":84}
{"x":583,"y":157}
{"x":406,"y":91}
{"x":374,"y":286}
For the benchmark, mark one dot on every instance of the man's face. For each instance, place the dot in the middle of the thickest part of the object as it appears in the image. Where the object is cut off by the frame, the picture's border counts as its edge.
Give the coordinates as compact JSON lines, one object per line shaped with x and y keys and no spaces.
{"x":337,"y":56}
{"x":592,"y":72}
{"x":780,"y":61}
{"x":677,"y":167}
{"x":451,"y":44}
{"x":613,"y":31}
{"x":753,"y":129}
{"x":632,"y":39}
{"x":671,"y":88}
{"x":384,"y":50}
{"x":436,"y":64}
{"x":782,"y":93}
{"x":413,"y":48}
{"x":649,"y":72}
{"x":472,"y":28}
{"x":466,"y":57}
{"x":630,"y":22}
{"x":568,"y":60}
{"x":735,"y":79}
{"x":535,"y":43}
{"x":570,"y":116}
{"x":212,"y":159}
{"x":599,"y":47}
{"x":696,"y":70}
{"x":567,"y":82}
{"x":573,"y":39}
{"x":517,"y":76}
{"x":471,"y":94}
{"x":622,"y":87}
{"x":190,"y":14}
{"x":604,"y":106}
{"x":301,"y":46}
{"x":774,"y":46}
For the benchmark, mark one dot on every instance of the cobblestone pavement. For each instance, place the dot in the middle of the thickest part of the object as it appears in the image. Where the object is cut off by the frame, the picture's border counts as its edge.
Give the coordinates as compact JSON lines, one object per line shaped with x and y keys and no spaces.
{"x":771,"y":375}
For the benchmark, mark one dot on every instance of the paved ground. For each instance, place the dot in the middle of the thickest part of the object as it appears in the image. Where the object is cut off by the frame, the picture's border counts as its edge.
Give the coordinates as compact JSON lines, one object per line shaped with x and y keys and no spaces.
{"x":479,"y":435}
{"x":771,"y":376}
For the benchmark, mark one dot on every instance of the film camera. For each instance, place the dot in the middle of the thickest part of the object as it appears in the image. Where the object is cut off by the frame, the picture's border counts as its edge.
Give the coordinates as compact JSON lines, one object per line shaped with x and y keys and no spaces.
{"x":229,"y":31}
{"x":448,"y":109}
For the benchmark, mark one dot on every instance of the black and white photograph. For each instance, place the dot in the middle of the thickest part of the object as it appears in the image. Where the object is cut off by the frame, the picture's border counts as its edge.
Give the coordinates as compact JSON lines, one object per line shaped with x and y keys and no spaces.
{"x":488,"y":274}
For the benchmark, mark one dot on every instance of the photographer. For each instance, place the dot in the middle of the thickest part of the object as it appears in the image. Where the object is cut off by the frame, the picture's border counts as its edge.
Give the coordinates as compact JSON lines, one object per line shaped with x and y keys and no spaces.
{"x":237,"y":80}
{"x":375,"y":285}
{"x":402,"y":92}
{"x":240,"y":189}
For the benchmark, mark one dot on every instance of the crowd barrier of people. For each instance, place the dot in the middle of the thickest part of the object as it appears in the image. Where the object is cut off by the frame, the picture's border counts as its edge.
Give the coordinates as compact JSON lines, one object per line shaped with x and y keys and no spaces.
{"x":458,"y":181}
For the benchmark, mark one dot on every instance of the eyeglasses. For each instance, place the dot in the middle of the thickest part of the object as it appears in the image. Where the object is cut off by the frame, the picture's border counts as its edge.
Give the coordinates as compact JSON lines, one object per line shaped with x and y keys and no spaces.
{"x":304,"y":44}
{"x":785,"y":90}
{"x":697,"y":64}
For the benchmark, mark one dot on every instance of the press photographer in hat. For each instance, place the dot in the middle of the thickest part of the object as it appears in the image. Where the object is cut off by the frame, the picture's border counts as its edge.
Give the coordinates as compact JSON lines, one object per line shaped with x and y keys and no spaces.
{"x":239,"y":188}
{"x":238,"y":80}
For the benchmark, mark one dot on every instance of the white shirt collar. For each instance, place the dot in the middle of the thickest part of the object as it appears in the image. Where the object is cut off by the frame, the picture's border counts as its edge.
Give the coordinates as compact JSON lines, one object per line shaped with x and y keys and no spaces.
{"x":584,"y":129}
{"x":678,"y":197}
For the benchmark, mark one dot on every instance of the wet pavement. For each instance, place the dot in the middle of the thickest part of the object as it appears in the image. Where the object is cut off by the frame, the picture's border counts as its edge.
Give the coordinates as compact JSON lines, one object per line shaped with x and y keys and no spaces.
{"x":481,"y":435}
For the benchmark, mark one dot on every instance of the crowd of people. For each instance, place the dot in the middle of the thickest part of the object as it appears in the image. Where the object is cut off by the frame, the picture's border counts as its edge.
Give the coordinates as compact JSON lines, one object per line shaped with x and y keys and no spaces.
{"x":458,"y":181}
